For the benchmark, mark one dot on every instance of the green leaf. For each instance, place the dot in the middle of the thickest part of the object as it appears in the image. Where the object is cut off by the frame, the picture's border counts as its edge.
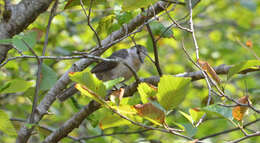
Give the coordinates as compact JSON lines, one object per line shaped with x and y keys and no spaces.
{"x":219,"y":110}
{"x":252,"y":64}
{"x":19,"y":44}
{"x":109,"y":84}
{"x":17,"y":85}
{"x":105,"y":24}
{"x":124,"y":17}
{"x":90,"y":81}
{"x":72,"y":3}
{"x":112,"y":120}
{"x":172,"y":91}
{"x":158,"y":29}
{"x":5,"y":86}
{"x":196,"y":114}
{"x":86,"y":91}
{"x":146,"y":92}
{"x":125,"y":109}
{"x":190,"y":129}
{"x":133,"y":100}
{"x":29,"y":38}
{"x":48,"y":77}
{"x":187,"y":116}
{"x":135,"y":4}
{"x":6,"y":126}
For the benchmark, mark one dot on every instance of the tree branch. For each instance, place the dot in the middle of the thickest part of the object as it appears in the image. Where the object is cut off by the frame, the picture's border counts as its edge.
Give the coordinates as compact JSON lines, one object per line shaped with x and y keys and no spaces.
{"x":155,"y":49}
{"x":61,"y":84}
{"x":21,"y":15}
{"x":230,"y":130}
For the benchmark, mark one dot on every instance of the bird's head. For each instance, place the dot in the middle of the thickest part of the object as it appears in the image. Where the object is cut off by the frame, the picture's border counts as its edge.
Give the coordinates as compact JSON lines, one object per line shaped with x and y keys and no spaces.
{"x":141,"y":51}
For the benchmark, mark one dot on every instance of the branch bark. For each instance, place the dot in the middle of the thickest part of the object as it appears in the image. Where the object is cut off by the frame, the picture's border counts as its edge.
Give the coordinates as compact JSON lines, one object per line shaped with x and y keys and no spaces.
{"x":21,"y":16}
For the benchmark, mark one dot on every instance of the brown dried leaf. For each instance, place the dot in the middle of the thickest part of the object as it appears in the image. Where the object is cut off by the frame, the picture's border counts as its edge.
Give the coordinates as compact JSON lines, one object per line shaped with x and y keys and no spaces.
{"x":117,"y":95}
{"x":150,"y":112}
{"x":238,"y":112}
{"x":206,"y":66}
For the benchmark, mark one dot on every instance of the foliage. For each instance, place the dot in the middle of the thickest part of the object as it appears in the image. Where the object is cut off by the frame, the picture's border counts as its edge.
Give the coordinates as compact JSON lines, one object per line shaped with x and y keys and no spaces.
{"x":227,"y":32}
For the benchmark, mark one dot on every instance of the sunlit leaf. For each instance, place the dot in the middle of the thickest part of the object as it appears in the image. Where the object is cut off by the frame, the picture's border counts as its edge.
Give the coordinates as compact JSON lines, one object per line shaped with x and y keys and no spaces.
{"x":114,"y":120}
{"x":86,"y":91}
{"x":196,"y":114}
{"x":147,"y":92}
{"x":105,"y":24}
{"x":6,"y":125}
{"x":187,"y":116}
{"x":90,"y":81}
{"x":172,"y":91}
{"x":133,"y":100}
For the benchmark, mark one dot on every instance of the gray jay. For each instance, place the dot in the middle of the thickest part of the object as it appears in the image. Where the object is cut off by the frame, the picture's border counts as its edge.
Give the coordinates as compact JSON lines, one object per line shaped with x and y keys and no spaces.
{"x":133,"y":56}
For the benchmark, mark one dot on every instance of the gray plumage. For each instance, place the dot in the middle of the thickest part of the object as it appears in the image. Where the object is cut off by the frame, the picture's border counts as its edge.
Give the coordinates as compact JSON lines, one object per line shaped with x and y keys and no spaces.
{"x":133,"y":56}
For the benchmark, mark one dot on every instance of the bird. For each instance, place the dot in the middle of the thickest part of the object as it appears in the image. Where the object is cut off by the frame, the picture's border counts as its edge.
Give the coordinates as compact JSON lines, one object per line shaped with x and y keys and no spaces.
{"x":134,"y":57}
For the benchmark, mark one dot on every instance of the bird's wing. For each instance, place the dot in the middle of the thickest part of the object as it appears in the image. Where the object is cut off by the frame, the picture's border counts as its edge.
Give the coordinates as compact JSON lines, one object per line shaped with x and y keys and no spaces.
{"x":105,"y":66}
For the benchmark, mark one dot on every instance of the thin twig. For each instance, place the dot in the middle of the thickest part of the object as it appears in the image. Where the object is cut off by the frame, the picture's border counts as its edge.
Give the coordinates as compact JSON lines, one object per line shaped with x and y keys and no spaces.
{"x":229,"y":130}
{"x":172,"y":131}
{"x":155,"y":49}
{"x":113,"y":134}
{"x":192,"y":31}
{"x":176,"y":23}
{"x":206,"y":78}
{"x":249,"y":48}
{"x":40,"y":61}
{"x":37,"y":87}
{"x":88,"y":18}
{"x":246,"y":137}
